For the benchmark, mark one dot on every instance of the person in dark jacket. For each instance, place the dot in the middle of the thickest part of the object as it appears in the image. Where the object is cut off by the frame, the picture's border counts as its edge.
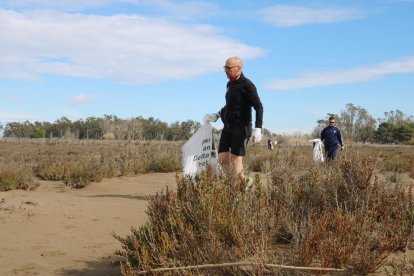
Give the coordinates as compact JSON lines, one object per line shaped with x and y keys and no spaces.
{"x":236,"y":115}
{"x":269,"y":144}
{"x":331,"y":138}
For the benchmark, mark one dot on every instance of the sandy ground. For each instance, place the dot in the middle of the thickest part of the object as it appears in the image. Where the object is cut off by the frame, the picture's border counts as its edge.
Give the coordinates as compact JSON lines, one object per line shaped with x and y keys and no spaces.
{"x":56,"y":230}
{"x":60,"y":231}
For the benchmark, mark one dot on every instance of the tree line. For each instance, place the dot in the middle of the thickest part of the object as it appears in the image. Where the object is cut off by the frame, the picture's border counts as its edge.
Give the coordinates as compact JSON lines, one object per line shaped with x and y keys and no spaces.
{"x":357,"y":125}
{"x":355,"y":122}
{"x":106,"y":127}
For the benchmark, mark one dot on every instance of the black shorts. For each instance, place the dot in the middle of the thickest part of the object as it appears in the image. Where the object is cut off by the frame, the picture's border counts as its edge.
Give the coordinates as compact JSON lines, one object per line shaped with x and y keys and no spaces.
{"x":235,"y":139}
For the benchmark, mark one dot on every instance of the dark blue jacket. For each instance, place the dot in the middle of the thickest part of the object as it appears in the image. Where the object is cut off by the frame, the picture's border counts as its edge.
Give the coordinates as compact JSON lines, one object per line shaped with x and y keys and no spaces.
{"x":331,"y":136}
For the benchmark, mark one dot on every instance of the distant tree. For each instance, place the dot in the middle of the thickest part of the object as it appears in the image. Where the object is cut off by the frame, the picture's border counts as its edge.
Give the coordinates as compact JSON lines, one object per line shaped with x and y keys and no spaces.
{"x":78,"y":127}
{"x":318,"y":129}
{"x":405,"y":132}
{"x":356,"y":123}
{"x":18,"y":130}
{"x":108,"y":126}
{"x":93,"y":127}
{"x":395,"y":127}
{"x":189,"y":127}
{"x":109,"y":123}
{"x":62,"y":125}
{"x":396,"y":118}
{"x":385,"y":133}
{"x":153,"y":129}
{"x":38,"y":132}
{"x":50,"y":130}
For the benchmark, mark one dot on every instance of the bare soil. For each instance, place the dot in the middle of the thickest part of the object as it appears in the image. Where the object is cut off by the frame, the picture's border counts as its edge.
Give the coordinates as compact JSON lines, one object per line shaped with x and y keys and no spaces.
{"x":56,"y":230}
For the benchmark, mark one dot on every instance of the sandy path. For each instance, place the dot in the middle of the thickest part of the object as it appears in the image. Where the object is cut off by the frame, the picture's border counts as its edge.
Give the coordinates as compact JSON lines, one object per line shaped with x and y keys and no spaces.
{"x":60,"y":231}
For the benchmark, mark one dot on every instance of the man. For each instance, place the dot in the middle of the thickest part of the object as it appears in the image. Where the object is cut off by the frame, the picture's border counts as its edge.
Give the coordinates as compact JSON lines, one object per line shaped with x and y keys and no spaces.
{"x":331,"y":138}
{"x":236,"y":115}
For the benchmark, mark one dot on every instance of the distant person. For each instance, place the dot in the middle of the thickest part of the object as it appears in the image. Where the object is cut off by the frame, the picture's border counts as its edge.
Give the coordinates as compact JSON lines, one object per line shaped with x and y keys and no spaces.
{"x":269,"y":144}
{"x":236,"y":115}
{"x":331,"y":138}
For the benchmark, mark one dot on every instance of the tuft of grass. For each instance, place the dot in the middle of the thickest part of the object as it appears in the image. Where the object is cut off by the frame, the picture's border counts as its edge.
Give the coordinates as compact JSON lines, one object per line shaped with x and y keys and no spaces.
{"x":403,"y":266}
{"x":50,"y":169}
{"x":81,"y":174}
{"x":15,"y":176}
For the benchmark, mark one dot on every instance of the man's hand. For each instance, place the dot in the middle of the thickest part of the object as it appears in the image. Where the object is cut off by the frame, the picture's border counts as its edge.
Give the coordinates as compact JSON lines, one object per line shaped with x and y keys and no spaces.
{"x":257,"y":135}
{"x":342,"y":147}
{"x":208,"y":118}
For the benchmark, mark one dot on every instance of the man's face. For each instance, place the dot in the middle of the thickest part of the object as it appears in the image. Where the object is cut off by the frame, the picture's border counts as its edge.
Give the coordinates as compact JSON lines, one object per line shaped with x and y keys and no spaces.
{"x":232,"y":69}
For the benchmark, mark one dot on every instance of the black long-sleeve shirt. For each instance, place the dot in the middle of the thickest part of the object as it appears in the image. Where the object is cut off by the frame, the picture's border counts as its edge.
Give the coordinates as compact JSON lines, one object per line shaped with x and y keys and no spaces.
{"x":241,"y":96}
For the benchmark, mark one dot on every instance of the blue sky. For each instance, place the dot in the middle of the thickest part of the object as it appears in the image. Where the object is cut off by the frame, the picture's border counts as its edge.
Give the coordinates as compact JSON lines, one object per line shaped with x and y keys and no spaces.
{"x":164,"y":59}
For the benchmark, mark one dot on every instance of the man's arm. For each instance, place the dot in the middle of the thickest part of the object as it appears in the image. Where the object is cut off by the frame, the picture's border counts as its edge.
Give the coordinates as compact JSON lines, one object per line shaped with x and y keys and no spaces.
{"x":259,"y":114}
{"x":256,"y":103}
{"x":339,"y":135}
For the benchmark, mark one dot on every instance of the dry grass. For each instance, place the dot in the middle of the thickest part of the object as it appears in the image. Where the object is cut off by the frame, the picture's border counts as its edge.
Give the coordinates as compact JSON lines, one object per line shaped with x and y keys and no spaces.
{"x":340,"y":215}
{"x":77,"y":163}
{"x":351,"y":213}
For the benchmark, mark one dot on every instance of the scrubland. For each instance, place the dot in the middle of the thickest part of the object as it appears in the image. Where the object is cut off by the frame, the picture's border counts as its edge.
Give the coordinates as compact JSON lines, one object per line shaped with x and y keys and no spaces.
{"x":353,"y":214}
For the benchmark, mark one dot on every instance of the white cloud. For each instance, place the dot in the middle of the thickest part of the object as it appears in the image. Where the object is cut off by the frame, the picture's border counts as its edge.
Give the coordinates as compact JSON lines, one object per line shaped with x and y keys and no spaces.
{"x":184,"y":9}
{"x":125,"y":48}
{"x":57,"y":5}
{"x":81,"y":99}
{"x":176,"y":9}
{"x":288,"y":16}
{"x":6,"y":116}
{"x":355,"y":75}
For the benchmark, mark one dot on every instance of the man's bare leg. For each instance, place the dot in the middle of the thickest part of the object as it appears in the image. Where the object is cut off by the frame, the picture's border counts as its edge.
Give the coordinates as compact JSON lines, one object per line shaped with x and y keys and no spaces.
{"x":226,"y":159}
{"x":237,"y":162}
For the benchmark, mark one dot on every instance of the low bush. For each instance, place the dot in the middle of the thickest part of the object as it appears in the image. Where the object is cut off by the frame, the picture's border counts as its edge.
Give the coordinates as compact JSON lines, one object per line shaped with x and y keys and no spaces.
{"x":16,"y":176}
{"x":50,"y":169}
{"x":333,"y":215}
{"x":81,"y":174}
{"x":206,"y":221}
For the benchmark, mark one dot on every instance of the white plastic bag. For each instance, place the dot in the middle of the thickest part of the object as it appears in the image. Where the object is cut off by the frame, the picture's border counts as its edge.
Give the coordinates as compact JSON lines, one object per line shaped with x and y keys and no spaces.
{"x":317,"y":150}
{"x":199,"y":151}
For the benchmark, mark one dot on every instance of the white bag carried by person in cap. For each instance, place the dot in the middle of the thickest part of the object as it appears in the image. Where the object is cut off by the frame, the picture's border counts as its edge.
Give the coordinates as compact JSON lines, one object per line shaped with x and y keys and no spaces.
{"x":199,"y":151}
{"x":317,"y":150}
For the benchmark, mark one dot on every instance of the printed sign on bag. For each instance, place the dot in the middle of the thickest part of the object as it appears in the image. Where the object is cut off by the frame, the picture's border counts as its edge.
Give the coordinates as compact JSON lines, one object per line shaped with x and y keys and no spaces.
{"x":199,"y":151}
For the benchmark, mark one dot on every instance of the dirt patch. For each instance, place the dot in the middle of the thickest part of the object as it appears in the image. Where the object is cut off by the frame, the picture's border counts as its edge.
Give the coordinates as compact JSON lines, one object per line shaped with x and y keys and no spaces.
{"x":56,"y":230}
